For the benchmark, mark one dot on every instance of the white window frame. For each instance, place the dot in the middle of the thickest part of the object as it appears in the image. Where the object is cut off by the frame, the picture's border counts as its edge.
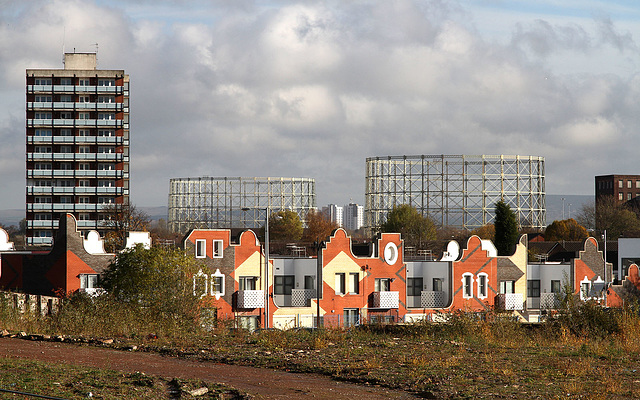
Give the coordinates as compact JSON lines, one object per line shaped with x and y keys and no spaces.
{"x":341,"y":281}
{"x":585,"y":288}
{"x":217,"y":276}
{"x":218,"y":248}
{"x":201,"y":248}
{"x":483,"y":285}
{"x":354,"y":283}
{"x":467,"y":285}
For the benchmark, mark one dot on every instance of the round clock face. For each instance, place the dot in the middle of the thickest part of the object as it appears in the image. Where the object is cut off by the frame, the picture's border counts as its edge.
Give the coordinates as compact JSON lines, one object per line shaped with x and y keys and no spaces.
{"x":391,"y":253}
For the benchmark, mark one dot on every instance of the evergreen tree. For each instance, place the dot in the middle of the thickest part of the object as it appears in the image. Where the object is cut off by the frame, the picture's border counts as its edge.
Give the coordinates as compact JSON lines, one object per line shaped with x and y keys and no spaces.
{"x":506,"y":227}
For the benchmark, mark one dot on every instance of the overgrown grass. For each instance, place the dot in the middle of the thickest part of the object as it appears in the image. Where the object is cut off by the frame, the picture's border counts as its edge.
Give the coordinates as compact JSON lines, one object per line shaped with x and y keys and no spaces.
{"x":583,"y":351}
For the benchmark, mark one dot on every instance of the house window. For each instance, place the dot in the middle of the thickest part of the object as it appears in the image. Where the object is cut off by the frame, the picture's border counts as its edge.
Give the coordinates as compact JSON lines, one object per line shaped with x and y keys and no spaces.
{"x":42,"y":166}
{"x":620,"y":196}
{"x":555,"y":286}
{"x":106,"y":149}
{"x":283,"y":284}
{"x":42,"y":115}
{"x":84,"y":132}
{"x":620,"y":184}
{"x":351,"y":317}
{"x":482,"y":285}
{"x":467,"y":285}
{"x":84,"y":183}
{"x":106,"y":132}
{"x":585,"y":289}
{"x":83,"y":200}
{"x":47,"y":132}
{"x":106,"y":183}
{"x":201,"y":248}
{"x":637,"y":184}
{"x":247,"y":282}
{"x":340,"y":283}
{"x":44,"y":234}
{"x":105,"y":200}
{"x":106,"y":99}
{"x":84,"y":115}
{"x":105,"y":167}
{"x":628,"y":184}
{"x":66,"y":115}
{"x":84,"y":166}
{"x":533,"y":288}
{"x":66,"y":149}
{"x":66,"y":132}
{"x":43,"y":217}
{"x":354,"y":283}
{"x":107,"y":116}
{"x":43,"y":99}
{"x":437,"y":284}
{"x":42,"y":149}
{"x":66,"y":166}
{"x":43,"y":183}
{"x":83,"y":217}
{"x":84,"y":149}
{"x":84,"y":82}
{"x":217,"y":248}
{"x":43,"y":200}
{"x":382,"y":284}
{"x":309,"y":282}
{"x":106,"y":82}
{"x":66,"y":200}
{"x":66,"y":81}
{"x":217,"y":284}
{"x":43,"y":81}
{"x":628,"y":196}
{"x":88,"y":281}
{"x":65,"y":183}
{"x":414,"y":286}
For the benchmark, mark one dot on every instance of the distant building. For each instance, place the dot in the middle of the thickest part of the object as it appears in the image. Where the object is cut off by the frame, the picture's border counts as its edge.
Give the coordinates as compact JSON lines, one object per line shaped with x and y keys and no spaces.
{"x":334,"y":213}
{"x":77,"y":150}
{"x":353,"y":216}
{"x":622,"y":188}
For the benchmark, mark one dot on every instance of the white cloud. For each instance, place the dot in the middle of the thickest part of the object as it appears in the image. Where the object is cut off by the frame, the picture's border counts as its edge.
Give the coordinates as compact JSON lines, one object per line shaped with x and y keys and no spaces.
{"x":301,"y":88}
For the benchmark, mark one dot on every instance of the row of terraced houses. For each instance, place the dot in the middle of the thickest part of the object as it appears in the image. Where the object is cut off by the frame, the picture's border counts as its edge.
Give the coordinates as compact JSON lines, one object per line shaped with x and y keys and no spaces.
{"x":345,"y":285}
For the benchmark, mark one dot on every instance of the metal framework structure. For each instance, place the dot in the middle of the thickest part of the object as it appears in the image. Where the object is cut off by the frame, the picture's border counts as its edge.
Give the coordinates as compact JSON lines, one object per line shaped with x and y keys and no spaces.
{"x":456,"y":190}
{"x":235,"y":202}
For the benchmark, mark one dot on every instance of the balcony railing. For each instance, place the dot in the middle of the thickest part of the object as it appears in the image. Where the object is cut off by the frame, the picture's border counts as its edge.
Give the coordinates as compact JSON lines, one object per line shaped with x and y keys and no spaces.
{"x":70,"y":207}
{"x":42,"y":190}
{"x":57,"y":105}
{"x":510,"y":301}
{"x":38,"y":241}
{"x":433,"y":299}
{"x":250,"y":299}
{"x":115,"y":140}
{"x":75,"y":89}
{"x":386,"y":299}
{"x":113,"y":123}
{"x":550,"y":301}
{"x":302,"y":297}
{"x":79,"y":173}
{"x":76,"y":156}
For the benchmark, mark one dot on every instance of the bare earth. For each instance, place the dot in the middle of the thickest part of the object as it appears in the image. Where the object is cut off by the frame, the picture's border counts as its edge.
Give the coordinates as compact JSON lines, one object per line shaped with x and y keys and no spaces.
{"x":259,"y":382}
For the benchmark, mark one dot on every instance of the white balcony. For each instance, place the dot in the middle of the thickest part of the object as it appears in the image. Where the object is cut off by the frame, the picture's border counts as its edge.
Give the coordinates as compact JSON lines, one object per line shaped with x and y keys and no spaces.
{"x":510,"y":301}
{"x":302,"y":297}
{"x":76,"y":89}
{"x":386,"y":299}
{"x":550,"y":301}
{"x":433,"y":299}
{"x":250,"y":299}
{"x":116,"y":140}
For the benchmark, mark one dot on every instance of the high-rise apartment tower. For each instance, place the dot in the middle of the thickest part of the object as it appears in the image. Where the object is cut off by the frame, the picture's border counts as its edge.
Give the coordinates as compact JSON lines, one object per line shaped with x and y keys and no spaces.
{"x":77,"y":145}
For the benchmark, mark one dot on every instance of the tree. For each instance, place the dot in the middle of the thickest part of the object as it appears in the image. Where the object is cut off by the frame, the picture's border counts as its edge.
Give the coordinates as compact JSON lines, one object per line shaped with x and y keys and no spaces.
{"x":414,"y":227}
{"x":567,"y":229}
{"x":157,"y":280}
{"x":506,"y":229}
{"x":487,"y":232}
{"x":616,"y":218}
{"x":285,"y":226}
{"x":586,"y":216}
{"x":318,"y":227}
{"x":121,"y":219}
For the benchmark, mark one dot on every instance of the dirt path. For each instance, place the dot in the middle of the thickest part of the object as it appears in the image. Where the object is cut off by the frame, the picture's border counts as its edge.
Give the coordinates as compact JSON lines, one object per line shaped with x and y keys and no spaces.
{"x":259,"y":382}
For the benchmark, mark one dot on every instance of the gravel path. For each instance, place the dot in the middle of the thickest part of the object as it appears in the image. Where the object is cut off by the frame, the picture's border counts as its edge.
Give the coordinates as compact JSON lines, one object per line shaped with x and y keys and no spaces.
{"x":259,"y":382}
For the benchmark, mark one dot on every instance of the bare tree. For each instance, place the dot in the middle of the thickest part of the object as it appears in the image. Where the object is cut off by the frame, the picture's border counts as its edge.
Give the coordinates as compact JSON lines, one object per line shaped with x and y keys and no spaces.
{"x":123,"y":218}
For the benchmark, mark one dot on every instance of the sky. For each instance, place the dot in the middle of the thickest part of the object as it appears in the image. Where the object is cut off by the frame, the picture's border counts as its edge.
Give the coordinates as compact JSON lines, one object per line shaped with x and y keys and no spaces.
{"x":245,"y":88}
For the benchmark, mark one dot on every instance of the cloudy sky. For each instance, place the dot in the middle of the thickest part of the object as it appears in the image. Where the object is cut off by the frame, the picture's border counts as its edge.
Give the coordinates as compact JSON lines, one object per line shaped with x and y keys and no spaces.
{"x":311,"y":88}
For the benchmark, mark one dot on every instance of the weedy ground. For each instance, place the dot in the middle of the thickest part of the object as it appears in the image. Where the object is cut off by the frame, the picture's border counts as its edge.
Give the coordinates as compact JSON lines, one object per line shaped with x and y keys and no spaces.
{"x":585,"y":352}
